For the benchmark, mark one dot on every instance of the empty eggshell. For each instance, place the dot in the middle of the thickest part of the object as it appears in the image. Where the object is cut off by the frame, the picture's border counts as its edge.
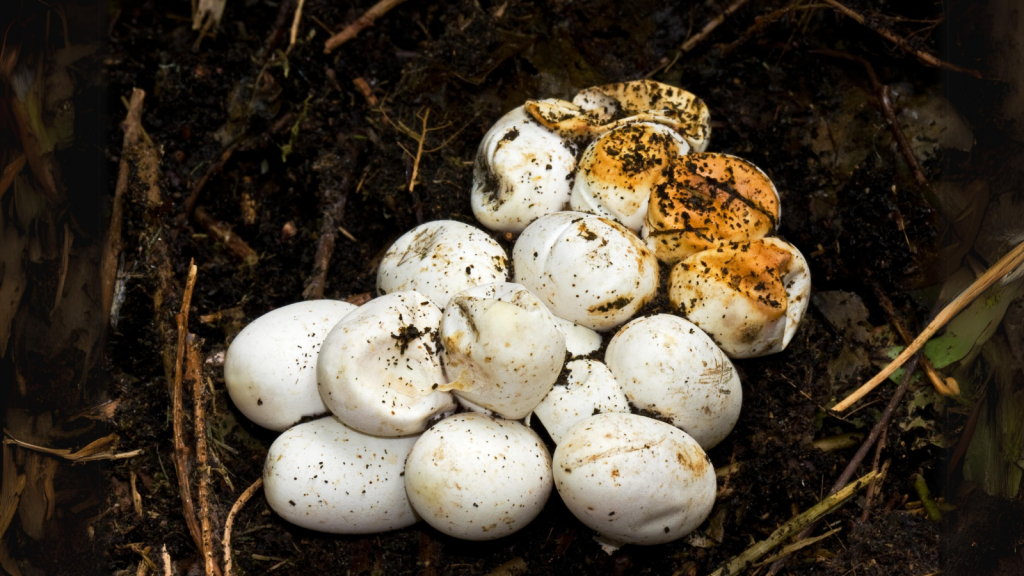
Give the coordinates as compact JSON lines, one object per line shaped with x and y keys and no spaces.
{"x":379,"y":369}
{"x":705,"y":200}
{"x":270,"y":367}
{"x":440,"y":259}
{"x":502,"y":349}
{"x":667,"y":366}
{"x":587,"y":269}
{"x":749,"y":297}
{"x":618,"y":171}
{"x":475,"y":477}
{"x":324,"y":476}
{"x":522,"y":171}
{"x":589,"y":389}
{"x":633,"y":479}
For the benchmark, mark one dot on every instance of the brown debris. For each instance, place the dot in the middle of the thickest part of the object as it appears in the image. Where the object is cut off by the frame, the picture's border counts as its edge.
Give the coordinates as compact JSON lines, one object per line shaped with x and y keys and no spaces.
{"x":231,"y":520}
{"x":335,"y":181}
{"x":181,"y":450}
{"x":195,"y":375}
{"x":710,"y":26}
{"x":364,"y":89}
{"x":223,"y":234}
{"x":365,"y":21}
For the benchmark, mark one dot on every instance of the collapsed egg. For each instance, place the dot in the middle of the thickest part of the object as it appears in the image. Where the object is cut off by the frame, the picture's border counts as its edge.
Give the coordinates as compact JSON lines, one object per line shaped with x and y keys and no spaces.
{"x":590,"y":388}
{"x":670,"y":368}
{"x":380,"y":370}
{"x":633,"y":479}
{"x":618,"y":171}
{"x":476,"y":477}
{"x":749,"y":297}
{"x":270,"y":367}
{"x":522,"y":172}
{"x":587,"y":269}
{"x":324,"y":476}
{"x":705,"y":200}
{"x":501,"y":348}
{"x":440,"y":259}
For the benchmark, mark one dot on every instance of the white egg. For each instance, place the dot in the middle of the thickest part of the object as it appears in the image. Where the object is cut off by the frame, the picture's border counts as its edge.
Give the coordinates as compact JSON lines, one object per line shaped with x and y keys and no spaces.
{"x":324,"y":476}
{"x":501,"y":348}
{"x":587,"y":269}
{"x":633,"y":479}
{"x":440,"y":259}
{"x":379,"y":369}
{"x":667,"y":366}
{"x":522,"y":172}
{"x":475,"y":477}
{"x":270,"y":367}
{"x":619,"y":170}
{"x":590,"y":388}
{"x":749,"y":297}
{"x":579,"y":340}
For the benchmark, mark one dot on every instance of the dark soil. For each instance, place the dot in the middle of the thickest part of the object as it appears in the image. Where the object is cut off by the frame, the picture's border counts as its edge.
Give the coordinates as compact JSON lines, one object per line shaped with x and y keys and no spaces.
{"x":468,"y":62}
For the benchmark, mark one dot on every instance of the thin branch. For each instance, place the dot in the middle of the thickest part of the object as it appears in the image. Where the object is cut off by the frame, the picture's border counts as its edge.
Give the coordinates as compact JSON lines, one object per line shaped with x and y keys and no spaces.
{"x":710,"y":26}
{"x":1005,"y":266}
{"x":365,"y":21}
{"x":811,"y":516}
{"x":223,"y":234}
{"x":231,"y":521}
{"x":335,"y":180}
{"x":934,"y":377}
{"x":194,"y":370}
{"x":181,"y":456}
{"x":901,"y":43}
{"x":419,"y":152}
{"x":295,"y":24}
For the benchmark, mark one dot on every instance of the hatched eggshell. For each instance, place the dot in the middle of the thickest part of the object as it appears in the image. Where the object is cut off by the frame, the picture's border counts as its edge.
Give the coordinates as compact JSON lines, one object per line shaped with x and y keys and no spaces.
{"x":588,"y":270}
{"x":633,"y":479}
{"x":619,"y":170}
{"x":749,"y":297}
{"x":522,"y":172}
{"x":379,"y":369}
{"x":441,"y":259}
{"x":475,"y":477}
{"x":324,"y":476}
{"x":501,"y":348}
{"x":667,"y":366}
{"x":590,"y":388}
{"x":270,"y":367}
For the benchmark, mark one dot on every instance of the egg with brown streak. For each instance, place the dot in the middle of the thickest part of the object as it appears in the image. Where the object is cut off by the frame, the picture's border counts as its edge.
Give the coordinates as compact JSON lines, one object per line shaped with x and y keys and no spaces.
{"x":707,"y":199}
{"x":749,"y":297}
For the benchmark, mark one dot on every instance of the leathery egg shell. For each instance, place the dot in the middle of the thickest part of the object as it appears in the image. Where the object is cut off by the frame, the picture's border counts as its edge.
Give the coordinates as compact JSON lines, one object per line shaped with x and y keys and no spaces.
{"x":522,"y":171}
{"x":324,"y":476}
{"x":379,"y":369}
{"x":501,"y":348}
{"x":579,"y":340}
{"x":705,"y":200}
{"x":667,"y":366}
{"x":618,"y":171}
{"x":590,"y":388}
{"x":270,"y":367}
{"x":749,"y":297}
{"x":633,"y":479}
{"x":440,"y":259}
{"x":587,"y":269}
{"x":476,"y":477}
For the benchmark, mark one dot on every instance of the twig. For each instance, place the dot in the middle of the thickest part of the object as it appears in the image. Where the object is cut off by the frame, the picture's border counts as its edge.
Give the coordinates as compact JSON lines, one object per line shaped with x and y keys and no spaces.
{"x":193,"y":197}
{"x":112,"y":246}
{"x":710,"y":26}
{"x":811,"y":516}
{"x":181,"y":457}
{"x":1006,"y":265}
{"x":365,"y":21}
{"x":295,"y":24}
{"x":335,"y":180}
{"x":136,"y":498}
{"x":901,"y":43}
{"x":10,"y":171}
{"x":967,"y":435}
{"x":770,"y":18}
{"x":934,"y":377}
{"x":167,"y":561}
{"x":195,"y":374}
{"x":786,"y":551}
{"x":921,"y":486}
{"x":223,"y":234}
{"x":95,"y":450}
{"x":419,"y":152}
{"x":862,"y":452}
{"x":231,"y":520}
